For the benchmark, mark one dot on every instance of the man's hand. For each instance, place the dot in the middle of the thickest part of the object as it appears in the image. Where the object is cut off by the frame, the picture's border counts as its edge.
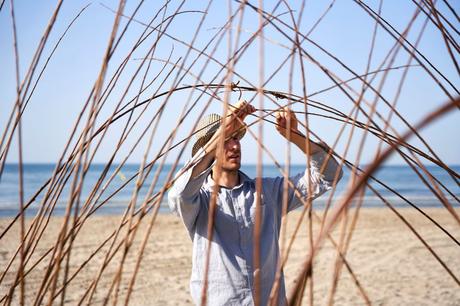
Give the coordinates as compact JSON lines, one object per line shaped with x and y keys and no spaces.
{"x":242,"y":109}
{"x":284,"y":118}
{"x":235,"y":122}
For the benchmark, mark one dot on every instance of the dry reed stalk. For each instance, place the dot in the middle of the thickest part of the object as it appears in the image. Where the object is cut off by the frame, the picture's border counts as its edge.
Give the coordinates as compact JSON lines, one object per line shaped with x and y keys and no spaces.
{"x":74,"y":162}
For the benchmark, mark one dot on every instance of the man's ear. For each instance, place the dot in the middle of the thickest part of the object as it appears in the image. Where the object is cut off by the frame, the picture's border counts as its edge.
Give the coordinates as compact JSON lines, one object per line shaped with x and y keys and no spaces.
{"x":213,"y":164}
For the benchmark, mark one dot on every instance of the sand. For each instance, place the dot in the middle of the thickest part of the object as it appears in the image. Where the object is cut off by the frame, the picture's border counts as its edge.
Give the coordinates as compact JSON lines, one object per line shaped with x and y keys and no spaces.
{"x":392,"y":265}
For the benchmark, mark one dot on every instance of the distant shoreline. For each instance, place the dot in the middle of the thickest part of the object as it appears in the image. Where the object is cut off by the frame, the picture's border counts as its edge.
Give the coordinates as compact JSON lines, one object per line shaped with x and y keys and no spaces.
{"x":164,"y":210}
{"x":397,"y":180}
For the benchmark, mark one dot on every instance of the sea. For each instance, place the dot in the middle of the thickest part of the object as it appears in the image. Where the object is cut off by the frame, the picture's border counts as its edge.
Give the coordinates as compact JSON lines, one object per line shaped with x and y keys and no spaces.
{"x":118,"y":192}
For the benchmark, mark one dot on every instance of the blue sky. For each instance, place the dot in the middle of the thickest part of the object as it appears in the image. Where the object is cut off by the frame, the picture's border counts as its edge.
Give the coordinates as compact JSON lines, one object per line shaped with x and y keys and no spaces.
{"x":346,"y":32}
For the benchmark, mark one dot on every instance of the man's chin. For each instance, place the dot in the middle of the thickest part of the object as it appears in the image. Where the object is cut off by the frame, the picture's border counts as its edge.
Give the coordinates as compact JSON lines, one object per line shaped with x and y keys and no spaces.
{"x":234,"y":166}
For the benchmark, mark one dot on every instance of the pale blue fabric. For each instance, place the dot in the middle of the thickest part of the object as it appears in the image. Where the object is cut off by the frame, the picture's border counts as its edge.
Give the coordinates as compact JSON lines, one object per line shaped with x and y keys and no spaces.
{"x":231,"y":271}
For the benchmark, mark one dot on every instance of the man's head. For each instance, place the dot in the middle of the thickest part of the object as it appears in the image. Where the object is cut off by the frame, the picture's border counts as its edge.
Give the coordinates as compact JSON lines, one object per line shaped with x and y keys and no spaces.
{"x":231,"y":155}
{"x":207,"y":127}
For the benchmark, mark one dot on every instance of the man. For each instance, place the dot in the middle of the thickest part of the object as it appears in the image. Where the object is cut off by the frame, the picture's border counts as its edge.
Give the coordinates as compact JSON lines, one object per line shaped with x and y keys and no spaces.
{"x":231,"y":266}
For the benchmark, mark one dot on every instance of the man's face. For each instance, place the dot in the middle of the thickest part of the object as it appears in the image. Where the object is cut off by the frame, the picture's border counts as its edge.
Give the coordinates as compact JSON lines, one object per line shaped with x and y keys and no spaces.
{"x":232,"y":155}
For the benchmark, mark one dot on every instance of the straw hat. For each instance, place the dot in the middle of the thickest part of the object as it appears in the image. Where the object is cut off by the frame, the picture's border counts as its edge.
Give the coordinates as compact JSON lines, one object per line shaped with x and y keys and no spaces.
{"x":207,"y":127}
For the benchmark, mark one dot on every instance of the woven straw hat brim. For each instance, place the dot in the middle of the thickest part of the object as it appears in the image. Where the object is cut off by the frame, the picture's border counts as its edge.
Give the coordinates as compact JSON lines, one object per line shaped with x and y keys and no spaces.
{"x":203,"y":140}
{"x":206,"y":128}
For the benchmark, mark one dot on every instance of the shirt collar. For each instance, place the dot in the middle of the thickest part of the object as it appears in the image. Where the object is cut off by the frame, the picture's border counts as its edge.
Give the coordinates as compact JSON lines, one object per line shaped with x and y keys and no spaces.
{"x":244,"y":179}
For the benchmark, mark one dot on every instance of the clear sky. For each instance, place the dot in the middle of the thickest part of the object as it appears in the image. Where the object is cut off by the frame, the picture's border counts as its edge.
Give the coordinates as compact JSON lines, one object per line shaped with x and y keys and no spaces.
{"x":346,"y":32}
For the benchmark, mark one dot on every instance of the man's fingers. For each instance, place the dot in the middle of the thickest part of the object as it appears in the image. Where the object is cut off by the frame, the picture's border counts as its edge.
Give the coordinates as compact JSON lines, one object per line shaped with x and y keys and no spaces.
{"x":281,"y":113}
{"x":281,"y":122}
{"x":243,"y":108}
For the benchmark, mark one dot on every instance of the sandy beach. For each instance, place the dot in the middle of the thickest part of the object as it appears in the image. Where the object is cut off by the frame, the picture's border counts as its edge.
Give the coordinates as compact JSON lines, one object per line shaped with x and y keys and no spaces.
{"x":391,"y":264}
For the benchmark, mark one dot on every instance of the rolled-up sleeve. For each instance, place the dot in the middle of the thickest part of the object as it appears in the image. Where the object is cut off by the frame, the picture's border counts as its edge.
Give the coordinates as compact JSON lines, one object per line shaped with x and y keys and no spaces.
{"x":184,"y":197}
{"x":322,"y":175}
{"x":321,"y":181}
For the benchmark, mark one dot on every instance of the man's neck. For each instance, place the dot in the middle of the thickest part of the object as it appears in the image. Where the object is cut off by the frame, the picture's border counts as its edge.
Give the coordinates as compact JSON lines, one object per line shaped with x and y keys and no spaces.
{"x":227,"y":178}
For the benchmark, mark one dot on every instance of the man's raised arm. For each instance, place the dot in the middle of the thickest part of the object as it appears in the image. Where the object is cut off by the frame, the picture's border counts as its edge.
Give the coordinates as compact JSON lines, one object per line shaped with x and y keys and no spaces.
{"x":323,"y":168}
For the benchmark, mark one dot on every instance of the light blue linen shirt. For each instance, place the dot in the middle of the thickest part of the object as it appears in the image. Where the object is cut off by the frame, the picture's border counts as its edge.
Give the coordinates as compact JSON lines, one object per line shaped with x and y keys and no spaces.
{"x":231,"y":270}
